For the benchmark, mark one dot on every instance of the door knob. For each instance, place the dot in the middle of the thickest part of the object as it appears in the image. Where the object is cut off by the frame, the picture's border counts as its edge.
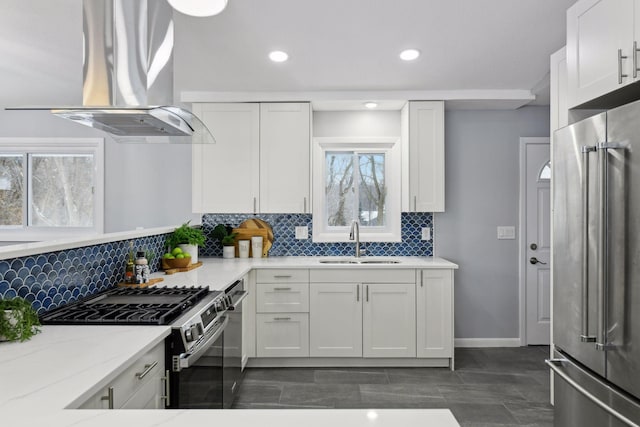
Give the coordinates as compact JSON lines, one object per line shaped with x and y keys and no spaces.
{"x":533,"y":246}
{"x":534,"y":260}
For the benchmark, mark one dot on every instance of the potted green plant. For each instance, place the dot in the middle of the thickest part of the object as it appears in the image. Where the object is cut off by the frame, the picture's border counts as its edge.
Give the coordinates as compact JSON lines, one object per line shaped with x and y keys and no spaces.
{"x":18,"y":320}
{"x":188,"y":239}
{"x":226,"y":236}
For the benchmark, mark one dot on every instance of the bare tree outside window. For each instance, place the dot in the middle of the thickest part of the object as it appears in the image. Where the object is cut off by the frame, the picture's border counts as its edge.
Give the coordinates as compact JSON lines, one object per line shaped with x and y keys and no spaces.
{"x":11,"y":190}
{"x":62,"y":189}
{"x":355,"y":192}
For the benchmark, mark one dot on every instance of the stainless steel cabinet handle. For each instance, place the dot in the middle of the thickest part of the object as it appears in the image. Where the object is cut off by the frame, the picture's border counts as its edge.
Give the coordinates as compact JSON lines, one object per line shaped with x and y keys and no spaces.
{"x":281,"y":289}
{"x":282,"y":318}
{"x":305,"y":206}
{"x":620,"y":58}
{"x":421,"y":278}
{"x":415,"y":203}
{"x":584,"y":333}
{"x":635,"y":59}
{"x":167,"y":389}
{"x":282,"y":276}
{"x":357,"y":292}
{"x":147,"y":368}
{"x":553,"y":364}
{"x":367,"y":292}
{"x":254,"y":205}
{"x":109,"y":397}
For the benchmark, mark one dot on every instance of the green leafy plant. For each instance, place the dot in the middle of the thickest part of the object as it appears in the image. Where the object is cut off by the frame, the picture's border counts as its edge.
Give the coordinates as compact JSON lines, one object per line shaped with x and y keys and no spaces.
{"x":186,"y":234}
{"x":18,"y":320}
{"x":224,"y":234}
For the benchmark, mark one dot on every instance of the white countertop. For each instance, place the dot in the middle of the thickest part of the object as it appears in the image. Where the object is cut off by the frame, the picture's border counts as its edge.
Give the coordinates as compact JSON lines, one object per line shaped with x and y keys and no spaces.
{"x":64,"y":365}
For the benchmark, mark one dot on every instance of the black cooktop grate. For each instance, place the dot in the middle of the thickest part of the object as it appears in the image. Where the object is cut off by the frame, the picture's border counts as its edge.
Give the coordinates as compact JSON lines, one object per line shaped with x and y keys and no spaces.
{"x":127,"y":306}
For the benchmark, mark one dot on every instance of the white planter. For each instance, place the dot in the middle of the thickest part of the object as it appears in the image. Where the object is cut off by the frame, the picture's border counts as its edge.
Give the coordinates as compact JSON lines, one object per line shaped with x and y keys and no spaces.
{"x":191,"y":250}
{"x":228,"y":252}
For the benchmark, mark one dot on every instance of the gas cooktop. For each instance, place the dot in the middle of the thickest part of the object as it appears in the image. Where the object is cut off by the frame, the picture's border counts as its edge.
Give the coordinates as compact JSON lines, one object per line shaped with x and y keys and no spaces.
{"x":141,"y":306}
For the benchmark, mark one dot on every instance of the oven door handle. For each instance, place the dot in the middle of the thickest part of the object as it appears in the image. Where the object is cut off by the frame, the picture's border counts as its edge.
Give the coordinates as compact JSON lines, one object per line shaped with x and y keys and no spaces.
{"x":236,"y":302}
{"x":186,"y":360}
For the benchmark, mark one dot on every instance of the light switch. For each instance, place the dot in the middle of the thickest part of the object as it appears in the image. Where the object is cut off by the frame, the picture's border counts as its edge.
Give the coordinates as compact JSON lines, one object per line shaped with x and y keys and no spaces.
{"x":302,"y":232}
{"x":506,"y":232}
{"x":426,"y":233}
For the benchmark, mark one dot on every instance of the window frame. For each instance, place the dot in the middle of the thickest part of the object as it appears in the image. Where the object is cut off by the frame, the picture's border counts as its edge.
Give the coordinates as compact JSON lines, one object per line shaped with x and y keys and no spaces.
{"x":27,"y":146}
{"x":391,"y":148}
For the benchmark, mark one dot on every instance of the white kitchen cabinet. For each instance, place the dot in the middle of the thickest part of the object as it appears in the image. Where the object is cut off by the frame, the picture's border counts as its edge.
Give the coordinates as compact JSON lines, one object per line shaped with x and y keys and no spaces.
{"x":140,"y":386}
{"x":285,"y":140}
{"x":258,"y":148}
{"x":434,"y":313}
{"x":282,"y":334}
{"x":389,"y":320}
{"x":249,"y":319}
{"x":558,"y":90}
{"x":600,"y":48}
{"x":423,"y":156}
{"x":335,"y":320}
{"x":225,"y":175}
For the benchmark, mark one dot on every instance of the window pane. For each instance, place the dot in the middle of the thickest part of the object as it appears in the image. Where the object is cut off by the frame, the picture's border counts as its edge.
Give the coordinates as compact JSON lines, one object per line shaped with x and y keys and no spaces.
{"x":372,"y":189}
{"x":545,"y":172}
{"x":62,"y":189}
{"x":339,"y":188}
{"x":11,"y":189}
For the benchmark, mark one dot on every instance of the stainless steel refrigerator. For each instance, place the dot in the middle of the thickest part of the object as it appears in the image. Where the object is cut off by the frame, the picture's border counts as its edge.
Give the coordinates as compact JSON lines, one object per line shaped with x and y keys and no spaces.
{"x":596,"y":270}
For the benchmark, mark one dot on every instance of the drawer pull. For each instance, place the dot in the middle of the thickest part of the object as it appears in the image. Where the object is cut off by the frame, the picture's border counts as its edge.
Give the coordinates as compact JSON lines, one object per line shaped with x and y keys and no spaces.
{"x":283,"y":276}
{"x":282,"y":318}
{"x":109,"y":397}
{"x":281,"y":289}
{"x":147,"y":369}
{"x":167,"y":389}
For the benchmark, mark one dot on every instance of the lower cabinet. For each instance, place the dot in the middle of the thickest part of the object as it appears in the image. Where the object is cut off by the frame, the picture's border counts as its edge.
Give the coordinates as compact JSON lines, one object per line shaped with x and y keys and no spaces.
{"x":282,"y":334}
{"x":434,"y":297}
{"x":140,"y":386}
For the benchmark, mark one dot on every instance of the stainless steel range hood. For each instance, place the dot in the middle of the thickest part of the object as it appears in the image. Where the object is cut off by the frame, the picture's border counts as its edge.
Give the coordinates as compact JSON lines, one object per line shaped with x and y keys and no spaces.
{"x":128,"y":75}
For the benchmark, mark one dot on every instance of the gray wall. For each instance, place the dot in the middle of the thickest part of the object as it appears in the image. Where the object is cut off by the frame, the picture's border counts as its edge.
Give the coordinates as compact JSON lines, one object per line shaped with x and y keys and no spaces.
{"x":41,"y":51}
{"x":482,"y":192}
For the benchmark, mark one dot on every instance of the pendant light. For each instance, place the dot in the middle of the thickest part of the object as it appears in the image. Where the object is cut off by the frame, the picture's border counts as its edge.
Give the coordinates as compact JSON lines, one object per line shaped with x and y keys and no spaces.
{"x":199,"y":8}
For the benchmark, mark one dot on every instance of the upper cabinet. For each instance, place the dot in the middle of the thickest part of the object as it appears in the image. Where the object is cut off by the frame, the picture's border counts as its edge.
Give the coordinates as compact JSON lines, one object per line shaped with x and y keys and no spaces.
{"x":285,"y":138}
{"x":558,"y":80}
{"x":602,"y":36}
{"x":423,"y":156}
{"x":258,"y":148}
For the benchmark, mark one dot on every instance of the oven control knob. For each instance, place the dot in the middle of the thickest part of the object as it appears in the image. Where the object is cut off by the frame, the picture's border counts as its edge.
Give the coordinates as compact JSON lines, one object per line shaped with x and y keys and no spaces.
{"x":188,"y":335}
{"x":194,"y":332}
{"x":200,"y":329}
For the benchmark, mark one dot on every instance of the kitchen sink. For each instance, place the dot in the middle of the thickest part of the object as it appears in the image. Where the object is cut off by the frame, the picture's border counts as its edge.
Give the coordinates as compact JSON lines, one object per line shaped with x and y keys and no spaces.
{"x":359,"y":261}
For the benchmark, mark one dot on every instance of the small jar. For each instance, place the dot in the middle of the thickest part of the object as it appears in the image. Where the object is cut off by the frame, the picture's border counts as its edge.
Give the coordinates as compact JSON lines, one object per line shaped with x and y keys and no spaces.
{"x":142,"y":268}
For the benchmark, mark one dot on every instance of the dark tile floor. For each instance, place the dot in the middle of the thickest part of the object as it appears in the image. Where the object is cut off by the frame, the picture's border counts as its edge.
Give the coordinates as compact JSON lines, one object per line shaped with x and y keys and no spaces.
{"x":490,"y":387}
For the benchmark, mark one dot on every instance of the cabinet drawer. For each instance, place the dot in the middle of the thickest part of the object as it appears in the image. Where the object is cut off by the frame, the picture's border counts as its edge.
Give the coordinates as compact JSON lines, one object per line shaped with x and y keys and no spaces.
{"x":149,"y":395}
{"x":282,"y":335}
{"x":282,"y":276}
{"x":282,"y":298}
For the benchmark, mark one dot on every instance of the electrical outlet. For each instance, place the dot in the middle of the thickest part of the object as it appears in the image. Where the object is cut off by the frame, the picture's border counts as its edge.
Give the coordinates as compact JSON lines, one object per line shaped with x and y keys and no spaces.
{"x":302,"y":232}
{"x":426,"y":233}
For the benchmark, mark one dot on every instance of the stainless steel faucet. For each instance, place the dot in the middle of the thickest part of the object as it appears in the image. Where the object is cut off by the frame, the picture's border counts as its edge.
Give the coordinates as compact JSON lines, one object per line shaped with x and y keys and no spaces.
{"x":355,"y":234}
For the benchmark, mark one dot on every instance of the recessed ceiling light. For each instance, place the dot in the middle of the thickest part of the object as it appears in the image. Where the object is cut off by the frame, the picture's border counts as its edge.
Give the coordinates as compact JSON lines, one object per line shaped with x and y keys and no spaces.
{"x":278,"y":56}
{"x":199,"y":8}
{"x":371,"y":105}
{"x":409,"y":54}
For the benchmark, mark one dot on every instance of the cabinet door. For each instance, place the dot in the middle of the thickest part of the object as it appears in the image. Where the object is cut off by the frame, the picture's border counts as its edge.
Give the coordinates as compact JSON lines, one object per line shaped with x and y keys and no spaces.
{"x":425,"y":157}
{"x":335,"y":320}
{"x":389,"y":320}
{"x":225,"y":175}
{"x":282,"y":335}
{"x":558,"y":80}
{"x":284,"y":158}
{"x":596,"y":29}
{"x":434,"y":324}
{"x":249,"y":319}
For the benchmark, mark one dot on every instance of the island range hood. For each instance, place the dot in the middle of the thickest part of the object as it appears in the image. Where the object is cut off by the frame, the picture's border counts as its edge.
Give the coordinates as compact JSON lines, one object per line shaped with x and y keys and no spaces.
{"x":128,"y":75}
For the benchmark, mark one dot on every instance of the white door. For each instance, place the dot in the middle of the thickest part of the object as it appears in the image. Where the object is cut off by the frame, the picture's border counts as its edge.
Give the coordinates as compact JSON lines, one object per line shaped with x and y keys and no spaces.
{"x":537,"y":253}
{"x":389,"y":320}
{"x":340,"y":333}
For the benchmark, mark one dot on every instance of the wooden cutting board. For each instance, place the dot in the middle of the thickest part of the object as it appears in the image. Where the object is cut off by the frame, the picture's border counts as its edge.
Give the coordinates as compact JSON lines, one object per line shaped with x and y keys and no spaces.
{"x":255,"y":227}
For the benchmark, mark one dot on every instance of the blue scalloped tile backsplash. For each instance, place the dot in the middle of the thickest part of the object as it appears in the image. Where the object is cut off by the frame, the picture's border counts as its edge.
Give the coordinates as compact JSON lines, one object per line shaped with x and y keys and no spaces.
{"x":285,"y":243}
{"x":52,"y":279}
{"x":49,"y":280}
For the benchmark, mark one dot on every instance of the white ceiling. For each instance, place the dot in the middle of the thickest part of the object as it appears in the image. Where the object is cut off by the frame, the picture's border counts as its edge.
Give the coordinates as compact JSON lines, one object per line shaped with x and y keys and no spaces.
{"x":472,"y":50}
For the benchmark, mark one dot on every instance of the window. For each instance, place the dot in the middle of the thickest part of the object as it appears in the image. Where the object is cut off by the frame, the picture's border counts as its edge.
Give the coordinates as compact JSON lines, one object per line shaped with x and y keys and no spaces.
{"x":356,"y":179}
{"x":545,"y":172}
{"x":50,"y":188}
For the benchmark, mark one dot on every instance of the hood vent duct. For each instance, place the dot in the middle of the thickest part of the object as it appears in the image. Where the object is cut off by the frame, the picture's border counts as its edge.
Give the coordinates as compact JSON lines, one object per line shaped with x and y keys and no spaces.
{"x":128,"y":75}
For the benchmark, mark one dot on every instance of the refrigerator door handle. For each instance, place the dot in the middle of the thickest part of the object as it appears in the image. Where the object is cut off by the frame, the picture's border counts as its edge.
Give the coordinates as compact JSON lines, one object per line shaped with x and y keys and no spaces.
{"x":555,"y":365}
{"x":603,"y":247}
{"x":584,"y":333}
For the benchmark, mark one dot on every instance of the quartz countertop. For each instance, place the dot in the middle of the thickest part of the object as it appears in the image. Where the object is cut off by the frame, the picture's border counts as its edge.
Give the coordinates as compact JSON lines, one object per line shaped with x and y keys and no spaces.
{"x":64,"y":365}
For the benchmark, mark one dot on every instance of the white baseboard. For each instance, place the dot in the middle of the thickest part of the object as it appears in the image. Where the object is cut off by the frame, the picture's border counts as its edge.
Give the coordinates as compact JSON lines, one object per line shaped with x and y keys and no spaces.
{"x":487,"y":342}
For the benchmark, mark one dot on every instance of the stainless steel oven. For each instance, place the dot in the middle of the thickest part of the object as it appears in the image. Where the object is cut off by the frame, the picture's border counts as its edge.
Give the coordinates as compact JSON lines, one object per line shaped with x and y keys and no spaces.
{"x":205,"y":352}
